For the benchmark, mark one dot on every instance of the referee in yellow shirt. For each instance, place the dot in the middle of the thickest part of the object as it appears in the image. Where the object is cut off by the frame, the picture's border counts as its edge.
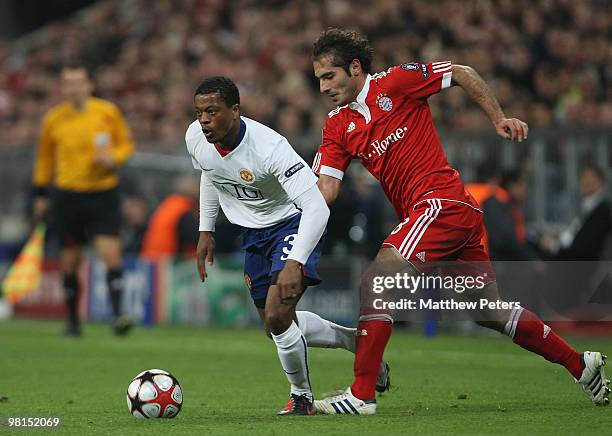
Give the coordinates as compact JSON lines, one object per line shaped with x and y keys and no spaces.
{"x":83,"y":142}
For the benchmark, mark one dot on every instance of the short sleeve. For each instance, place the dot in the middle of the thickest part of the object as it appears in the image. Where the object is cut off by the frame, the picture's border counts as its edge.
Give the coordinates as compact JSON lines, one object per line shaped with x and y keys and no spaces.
{"x":43,"y":163}
{"x":290,"y":170}
{"x":331,"y":159}
{"x":420,"y":81}
{"x":123,"y":147}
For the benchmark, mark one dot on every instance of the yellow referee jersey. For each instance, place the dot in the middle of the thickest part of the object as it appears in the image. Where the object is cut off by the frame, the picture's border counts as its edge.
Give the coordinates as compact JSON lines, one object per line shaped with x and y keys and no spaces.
{"x":70,"y":141}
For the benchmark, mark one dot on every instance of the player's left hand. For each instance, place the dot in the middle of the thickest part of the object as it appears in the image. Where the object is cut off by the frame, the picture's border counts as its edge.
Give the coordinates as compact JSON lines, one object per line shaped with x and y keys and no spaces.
{"x":289,"y":280}
{"x":512,"y":129}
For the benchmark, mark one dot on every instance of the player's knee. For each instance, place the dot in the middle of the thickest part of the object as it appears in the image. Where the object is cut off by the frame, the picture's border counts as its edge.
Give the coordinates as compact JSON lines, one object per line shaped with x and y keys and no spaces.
{"x":277,"y":320}
{"x":108,"y":248}
{"x":372,"y":286}
{"x":385,"y":278}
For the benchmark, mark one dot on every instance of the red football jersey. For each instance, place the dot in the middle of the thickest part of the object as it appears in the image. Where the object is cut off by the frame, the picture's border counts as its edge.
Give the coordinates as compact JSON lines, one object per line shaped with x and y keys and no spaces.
{"x":389,"y":128}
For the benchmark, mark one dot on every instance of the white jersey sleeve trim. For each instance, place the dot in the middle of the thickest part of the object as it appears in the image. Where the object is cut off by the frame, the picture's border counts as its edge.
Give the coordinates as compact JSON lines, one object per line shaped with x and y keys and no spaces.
{"x":330,"y":171}
{"x":315,"y":214}
{"x":446,"y":79}
{"x":439,"y":67}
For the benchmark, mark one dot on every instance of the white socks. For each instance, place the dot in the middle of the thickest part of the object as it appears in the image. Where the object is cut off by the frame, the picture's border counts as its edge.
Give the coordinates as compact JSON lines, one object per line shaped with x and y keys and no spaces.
{"x":292,"y":352}
{"x":322,"y":333}
{"x":313,"y":331}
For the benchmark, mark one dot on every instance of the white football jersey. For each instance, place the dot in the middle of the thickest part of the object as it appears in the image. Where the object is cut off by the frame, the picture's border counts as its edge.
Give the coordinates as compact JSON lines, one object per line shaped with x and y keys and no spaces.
{"x":258,"y":181}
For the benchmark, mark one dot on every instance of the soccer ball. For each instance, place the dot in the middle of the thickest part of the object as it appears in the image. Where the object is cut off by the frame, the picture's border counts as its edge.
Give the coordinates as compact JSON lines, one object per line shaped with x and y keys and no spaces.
{"x":154,"y":393}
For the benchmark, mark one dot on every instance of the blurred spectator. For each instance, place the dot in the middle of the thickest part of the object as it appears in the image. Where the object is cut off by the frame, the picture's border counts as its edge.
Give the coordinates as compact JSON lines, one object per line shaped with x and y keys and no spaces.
{"x":486,"y":185}
{"x":228,"y":236}
{"x":501,"y":197}
{"x":135,"y":220}
{"x":367,"y":229}
{"x":173,"y":227}
{"x":587,"y":235}
{"x":552,"y":58}
{"x":488,"y":178}
{"x":511,"y":243}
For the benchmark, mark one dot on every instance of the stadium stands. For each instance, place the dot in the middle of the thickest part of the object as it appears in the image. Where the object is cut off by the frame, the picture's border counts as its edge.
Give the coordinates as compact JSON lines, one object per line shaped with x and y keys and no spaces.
{"x":147,"y":57}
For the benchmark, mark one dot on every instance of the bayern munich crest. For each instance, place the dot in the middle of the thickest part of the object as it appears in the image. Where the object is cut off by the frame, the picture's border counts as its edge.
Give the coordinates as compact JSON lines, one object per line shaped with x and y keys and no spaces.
{"x":384,"y":102}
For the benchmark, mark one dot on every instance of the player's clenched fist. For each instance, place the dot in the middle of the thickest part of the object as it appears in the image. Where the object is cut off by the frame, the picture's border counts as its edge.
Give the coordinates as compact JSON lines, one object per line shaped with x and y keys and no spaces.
{"x":205,"y":253}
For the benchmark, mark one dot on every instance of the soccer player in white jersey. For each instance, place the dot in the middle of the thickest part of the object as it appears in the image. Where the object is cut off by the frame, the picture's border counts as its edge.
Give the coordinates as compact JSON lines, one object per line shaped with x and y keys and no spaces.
{"x":264,"y":186}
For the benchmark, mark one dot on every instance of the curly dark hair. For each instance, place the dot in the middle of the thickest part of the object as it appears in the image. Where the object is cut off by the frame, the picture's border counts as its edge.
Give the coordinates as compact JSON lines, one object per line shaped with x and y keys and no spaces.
{"x":344,"y":46}
{"x":226,"y":88}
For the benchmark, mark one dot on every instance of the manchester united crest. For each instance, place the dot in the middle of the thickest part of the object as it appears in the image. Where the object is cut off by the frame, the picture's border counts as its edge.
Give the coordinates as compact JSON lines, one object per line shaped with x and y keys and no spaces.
{"x":246,"y":175}
{"x":384,"y":102}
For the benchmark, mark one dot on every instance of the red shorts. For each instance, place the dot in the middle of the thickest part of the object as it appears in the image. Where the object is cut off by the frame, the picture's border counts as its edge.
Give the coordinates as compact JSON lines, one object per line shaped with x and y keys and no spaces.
{"x":443,"y":232}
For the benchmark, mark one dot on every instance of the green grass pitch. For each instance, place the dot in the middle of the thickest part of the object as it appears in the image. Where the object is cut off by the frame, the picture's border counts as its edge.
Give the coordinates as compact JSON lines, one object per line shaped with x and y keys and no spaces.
{"x":233,"y":384}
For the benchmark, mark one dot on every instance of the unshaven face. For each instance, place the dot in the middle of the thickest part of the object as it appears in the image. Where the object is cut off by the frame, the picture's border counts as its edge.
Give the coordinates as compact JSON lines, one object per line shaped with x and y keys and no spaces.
{"x":335,"y":82}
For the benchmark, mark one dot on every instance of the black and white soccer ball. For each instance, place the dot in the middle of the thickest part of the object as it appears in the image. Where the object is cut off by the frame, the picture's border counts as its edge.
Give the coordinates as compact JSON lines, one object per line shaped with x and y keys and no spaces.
{"x":154,"y":393}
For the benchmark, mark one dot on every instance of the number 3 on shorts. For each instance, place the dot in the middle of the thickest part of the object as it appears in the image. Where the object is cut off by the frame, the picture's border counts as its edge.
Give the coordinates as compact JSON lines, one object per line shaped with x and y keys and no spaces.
{"x":287,"y":248}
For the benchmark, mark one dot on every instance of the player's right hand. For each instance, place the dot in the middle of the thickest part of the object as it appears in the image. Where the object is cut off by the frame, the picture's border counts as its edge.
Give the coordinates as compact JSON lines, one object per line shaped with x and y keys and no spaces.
{"x":40,"y":207}
{"x":512,"y":129}
{"x":205,"y":253}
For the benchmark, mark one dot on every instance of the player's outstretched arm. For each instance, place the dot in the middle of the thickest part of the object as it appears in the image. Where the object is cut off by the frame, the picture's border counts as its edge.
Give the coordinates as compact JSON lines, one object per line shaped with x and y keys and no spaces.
{"x":475,"y":86}
{"x":329,"y":187}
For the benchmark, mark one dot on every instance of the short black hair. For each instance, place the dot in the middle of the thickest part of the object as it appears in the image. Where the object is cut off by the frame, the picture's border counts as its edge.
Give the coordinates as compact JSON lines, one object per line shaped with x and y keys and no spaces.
{"x":226,"y":88}
{"x":344,"y":46}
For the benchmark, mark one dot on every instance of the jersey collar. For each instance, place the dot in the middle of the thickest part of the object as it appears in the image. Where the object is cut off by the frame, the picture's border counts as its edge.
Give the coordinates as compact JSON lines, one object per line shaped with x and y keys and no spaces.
{"x":359,"y":104}
{"x":240,"y":133}
{"x":223,"y":152}
{"x":86,"y":106}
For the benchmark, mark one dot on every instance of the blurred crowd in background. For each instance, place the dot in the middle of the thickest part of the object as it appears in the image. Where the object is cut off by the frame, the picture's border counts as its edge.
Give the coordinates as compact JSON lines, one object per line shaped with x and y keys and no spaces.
{"x":549,"y":62}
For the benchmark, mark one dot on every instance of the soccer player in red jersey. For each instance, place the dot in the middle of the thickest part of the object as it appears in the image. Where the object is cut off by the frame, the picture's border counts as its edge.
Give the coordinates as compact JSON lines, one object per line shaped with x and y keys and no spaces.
{"x":384,"y":121}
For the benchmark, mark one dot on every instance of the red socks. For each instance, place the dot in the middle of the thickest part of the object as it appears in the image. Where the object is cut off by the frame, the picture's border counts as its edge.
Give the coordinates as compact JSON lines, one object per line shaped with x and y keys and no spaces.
{"x":371,"y":340}
{"x":533,"y":335}
{"x":529,"y":332}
